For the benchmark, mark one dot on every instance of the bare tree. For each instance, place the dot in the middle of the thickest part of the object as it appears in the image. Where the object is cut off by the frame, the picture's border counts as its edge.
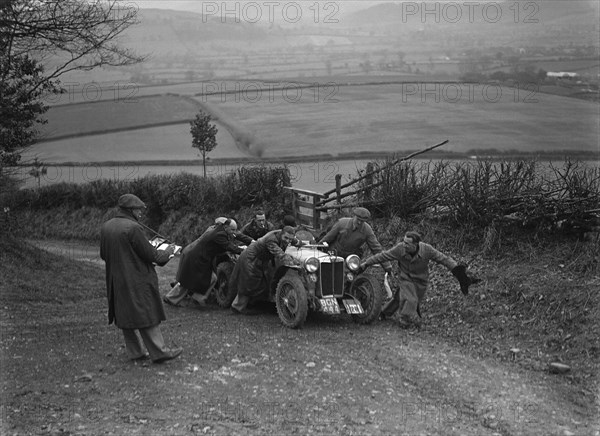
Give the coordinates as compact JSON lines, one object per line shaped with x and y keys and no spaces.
{"x":67,"y":35}
{"x":40,"y":40}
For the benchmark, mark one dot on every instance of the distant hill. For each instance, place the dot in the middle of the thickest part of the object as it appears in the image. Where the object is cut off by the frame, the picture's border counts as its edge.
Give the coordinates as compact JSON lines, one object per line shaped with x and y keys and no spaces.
{"x":167,"y":31}
{"x":501,"y":14}
{"x":185,"y":46}
{"x":170,"y":33}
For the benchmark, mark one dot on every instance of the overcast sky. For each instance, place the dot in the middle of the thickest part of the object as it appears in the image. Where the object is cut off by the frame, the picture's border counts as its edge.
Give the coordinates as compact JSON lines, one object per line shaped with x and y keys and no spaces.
{"x":197,"y":5}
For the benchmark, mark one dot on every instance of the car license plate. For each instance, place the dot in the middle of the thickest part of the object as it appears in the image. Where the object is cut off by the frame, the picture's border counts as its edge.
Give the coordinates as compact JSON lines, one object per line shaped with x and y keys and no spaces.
{"x":330,"y":306}
{"x":353,"y":307}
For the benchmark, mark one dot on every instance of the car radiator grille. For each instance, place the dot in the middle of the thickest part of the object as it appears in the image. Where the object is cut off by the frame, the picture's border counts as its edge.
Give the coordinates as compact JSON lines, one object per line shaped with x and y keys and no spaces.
{"x":331,"y":279}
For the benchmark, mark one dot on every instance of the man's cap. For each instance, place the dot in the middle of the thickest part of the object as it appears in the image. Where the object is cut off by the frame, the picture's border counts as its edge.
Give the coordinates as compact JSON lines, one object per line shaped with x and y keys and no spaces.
{"x":362,"y":213}
{"x":288,"y":229}
{"x":226,"y":221}
{"x":130,"y":201}
{"x":289,"y":220}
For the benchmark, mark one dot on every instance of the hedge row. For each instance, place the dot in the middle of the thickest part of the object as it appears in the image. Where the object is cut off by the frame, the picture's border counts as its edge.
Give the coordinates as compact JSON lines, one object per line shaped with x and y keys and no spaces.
{"x":165,"y":195}
{"x":480,"y":194}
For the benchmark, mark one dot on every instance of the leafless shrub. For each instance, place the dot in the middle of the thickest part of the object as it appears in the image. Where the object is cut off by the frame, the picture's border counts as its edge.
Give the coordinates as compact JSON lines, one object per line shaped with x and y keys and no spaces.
{"x":489,"y":195}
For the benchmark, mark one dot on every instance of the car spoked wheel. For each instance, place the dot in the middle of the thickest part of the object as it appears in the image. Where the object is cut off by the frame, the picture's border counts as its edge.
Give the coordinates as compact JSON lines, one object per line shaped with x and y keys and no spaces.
{"x":367,"y":291}
{"x":291,"y":300}
{"x":224,"y":293}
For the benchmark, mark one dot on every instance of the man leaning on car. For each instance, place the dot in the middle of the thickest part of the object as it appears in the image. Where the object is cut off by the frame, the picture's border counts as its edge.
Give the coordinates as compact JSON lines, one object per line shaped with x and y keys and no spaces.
{"x":248,"y":274}
{"x":348,"y":235}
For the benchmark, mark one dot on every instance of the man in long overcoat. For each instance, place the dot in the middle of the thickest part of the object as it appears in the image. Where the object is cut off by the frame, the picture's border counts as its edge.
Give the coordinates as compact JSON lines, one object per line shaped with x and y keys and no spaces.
{"x":413,"y":258}
{"x":134,"y":302}
{"x":248,"y":275}
{"x":195,"y":271}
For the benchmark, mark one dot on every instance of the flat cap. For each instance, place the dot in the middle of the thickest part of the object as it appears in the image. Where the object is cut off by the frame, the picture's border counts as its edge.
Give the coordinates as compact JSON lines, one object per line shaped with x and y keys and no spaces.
{"x":226,"y":222}
{"x":130,"y":201}
{"x":289,"y":220}
{"x":362,"y":213}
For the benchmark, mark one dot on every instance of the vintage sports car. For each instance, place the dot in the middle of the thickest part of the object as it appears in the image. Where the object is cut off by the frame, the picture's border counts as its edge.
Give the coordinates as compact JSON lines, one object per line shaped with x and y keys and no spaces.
{"x":317,"y":280}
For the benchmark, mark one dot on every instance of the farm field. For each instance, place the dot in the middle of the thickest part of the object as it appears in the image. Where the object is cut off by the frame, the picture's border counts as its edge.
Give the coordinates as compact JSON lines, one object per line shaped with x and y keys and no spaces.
{"x":124,"y":111}
{"x":170,"y":142}
{"x":395,"y":118}
{"x":93,"y":90}
{"x":332,"y":122}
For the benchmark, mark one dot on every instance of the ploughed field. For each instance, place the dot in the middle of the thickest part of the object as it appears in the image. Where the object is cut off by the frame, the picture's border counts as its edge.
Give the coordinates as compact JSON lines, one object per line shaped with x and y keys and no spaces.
{"x":286,"y":120}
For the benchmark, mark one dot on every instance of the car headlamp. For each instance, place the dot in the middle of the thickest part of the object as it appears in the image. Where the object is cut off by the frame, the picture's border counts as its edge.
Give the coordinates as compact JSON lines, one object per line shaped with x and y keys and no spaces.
{"x":311,"y":264}
{"x":353,"y":262}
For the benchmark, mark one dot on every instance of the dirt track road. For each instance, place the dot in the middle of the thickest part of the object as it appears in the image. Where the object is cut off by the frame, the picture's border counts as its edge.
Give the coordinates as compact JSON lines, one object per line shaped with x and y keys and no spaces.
{"x":65,"y":372}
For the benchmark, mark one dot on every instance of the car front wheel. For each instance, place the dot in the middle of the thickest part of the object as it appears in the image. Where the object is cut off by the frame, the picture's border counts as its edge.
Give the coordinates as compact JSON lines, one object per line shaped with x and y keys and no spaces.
{"x":291,"y":300}
{"x":224,"y":293}
{"x":367,"y":291}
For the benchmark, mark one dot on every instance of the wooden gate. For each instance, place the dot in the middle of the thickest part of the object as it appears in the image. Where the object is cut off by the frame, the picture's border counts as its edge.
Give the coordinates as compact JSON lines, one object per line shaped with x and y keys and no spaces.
{"x":311,"y":208}
{"x":304,"y":205}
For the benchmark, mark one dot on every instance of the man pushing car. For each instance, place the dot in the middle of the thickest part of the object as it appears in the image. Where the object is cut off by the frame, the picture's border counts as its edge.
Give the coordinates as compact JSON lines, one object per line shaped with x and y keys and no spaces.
{"x":413,"y":258}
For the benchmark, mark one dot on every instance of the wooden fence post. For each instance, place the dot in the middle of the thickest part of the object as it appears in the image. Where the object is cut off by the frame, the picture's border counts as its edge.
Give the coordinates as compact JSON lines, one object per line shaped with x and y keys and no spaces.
{"x":369,"y":180}
{"x":315,"y":213}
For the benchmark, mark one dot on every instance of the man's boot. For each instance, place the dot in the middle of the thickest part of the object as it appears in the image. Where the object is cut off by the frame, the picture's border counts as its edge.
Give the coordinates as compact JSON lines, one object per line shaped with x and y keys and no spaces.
{"x":175,"y":295}
{"x":200,"y":298}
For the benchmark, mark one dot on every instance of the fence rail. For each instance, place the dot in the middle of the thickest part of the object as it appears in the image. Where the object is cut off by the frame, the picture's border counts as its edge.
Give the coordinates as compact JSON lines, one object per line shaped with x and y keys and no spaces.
{"x":311,"y":208}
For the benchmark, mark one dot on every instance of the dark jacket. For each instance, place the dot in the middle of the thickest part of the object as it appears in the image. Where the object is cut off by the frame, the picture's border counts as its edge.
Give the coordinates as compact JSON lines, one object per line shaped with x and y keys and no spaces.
{"x":347,"y":239}
{"x":254,"y":231}
{"x":248,"y":274}
{"x":196,"y":263}
{"x":134,"y":301}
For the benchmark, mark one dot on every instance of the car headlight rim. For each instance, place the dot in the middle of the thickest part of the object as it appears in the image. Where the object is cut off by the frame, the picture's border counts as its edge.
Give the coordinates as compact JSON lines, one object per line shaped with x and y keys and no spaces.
{"x":311,"y":265}
{"x":353,"y":262}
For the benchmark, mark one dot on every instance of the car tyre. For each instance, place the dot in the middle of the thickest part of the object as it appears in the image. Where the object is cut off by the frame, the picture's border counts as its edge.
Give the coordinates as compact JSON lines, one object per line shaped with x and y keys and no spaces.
{"x":224,"y":293}
{"x":291,"y":300}
{"x":367,"y":290}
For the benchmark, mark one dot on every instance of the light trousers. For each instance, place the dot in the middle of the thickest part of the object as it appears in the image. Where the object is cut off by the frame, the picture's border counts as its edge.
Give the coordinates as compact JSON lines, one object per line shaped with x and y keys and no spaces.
{"x":153,"y":340}
{"x":176,"y":295}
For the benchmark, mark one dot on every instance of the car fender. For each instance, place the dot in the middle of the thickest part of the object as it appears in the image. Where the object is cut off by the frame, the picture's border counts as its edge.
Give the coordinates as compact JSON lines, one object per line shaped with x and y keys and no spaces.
{"x":279,"y":272}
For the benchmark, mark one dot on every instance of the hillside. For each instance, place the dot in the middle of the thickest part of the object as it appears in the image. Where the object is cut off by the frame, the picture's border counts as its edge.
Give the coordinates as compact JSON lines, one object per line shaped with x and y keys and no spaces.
{"x":497,"y":16}
{"x":477,"y":367}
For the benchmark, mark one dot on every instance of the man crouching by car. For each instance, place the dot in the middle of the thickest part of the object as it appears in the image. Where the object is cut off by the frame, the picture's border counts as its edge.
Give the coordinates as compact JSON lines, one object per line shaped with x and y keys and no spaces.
{"x":248,"y":274}
{"x":195,"y":271}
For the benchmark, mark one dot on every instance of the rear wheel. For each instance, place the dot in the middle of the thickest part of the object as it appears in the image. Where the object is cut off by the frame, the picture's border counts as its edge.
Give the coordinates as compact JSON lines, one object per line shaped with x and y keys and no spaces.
{"x":224,"y":293}
{"x":367,"y":290}
{"x":291,"y":300}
